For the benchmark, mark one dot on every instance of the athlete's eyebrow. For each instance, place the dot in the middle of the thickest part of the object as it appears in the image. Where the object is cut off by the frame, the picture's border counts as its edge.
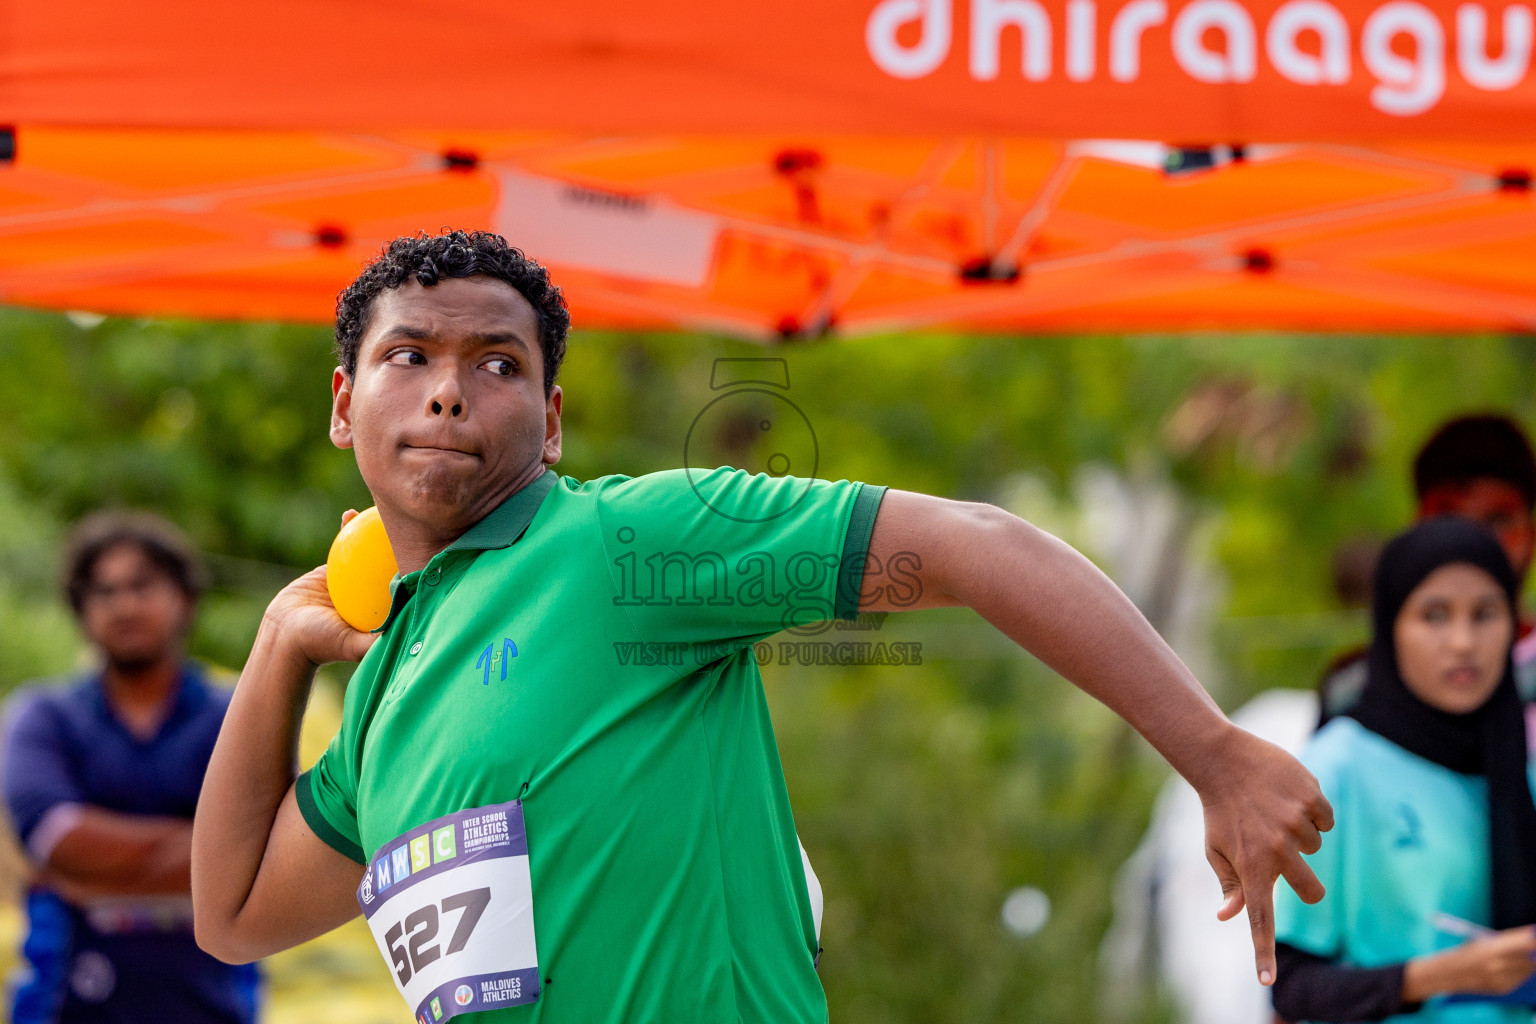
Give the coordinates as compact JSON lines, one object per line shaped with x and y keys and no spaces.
{"x":486,"y":339}
{"x":498,"y":339}
{"x":406,"y":331}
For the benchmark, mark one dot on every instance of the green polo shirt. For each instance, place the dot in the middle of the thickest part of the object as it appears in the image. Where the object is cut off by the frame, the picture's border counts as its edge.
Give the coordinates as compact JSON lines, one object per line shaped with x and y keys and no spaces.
{"x":631,"y":721}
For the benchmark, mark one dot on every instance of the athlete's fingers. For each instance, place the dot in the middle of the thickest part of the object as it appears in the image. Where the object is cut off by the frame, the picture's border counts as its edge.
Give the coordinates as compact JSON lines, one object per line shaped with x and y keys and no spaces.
{"x":1321,"y":813}
{"x":356,"y":644}
{"x":1261,"y":921}
{"x":1308,"y":839}
{"x":347,"y":516}
{"x":313,"y":582}
{"x":1231,"y":885}
{"x":1303,"y":879}
{"x":1229,"y":907}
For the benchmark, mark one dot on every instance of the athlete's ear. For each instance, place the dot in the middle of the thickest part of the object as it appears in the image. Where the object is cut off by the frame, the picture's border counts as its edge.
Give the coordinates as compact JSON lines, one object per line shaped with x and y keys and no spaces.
{"x":552,"y":427}
{"x":341,"y":409}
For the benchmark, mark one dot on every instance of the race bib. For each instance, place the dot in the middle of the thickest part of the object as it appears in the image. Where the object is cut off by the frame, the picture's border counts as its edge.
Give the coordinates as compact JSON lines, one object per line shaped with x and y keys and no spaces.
{"x":450,"y":904}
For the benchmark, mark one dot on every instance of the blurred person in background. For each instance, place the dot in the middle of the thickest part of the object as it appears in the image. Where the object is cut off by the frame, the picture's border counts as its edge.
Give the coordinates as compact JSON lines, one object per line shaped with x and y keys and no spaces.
{"x":1436,"y":827}
{"x":101,"y":778}
{"x":1479,"y":467}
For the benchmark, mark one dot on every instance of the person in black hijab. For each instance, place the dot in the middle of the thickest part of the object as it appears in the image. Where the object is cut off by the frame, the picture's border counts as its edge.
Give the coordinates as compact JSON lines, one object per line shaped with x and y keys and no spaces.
{"x":1479,"y":467}
{"x":1439,"y":720}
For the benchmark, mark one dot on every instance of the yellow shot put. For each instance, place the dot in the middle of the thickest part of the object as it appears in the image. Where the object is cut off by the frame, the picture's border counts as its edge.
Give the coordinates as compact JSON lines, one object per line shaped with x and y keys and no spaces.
{"x":358,"y":571}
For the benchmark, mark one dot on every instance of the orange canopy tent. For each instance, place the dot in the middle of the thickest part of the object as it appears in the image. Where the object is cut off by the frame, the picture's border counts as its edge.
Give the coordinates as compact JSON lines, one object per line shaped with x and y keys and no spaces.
{"x":787,"y":169}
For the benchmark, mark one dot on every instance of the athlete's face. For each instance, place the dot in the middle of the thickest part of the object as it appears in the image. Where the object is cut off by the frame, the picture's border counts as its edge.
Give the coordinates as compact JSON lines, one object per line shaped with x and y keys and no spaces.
{"x":1494,"y":503}
{"x":446,"y":411}
{"x":1452,"y":637}
{"x":132,"y":610}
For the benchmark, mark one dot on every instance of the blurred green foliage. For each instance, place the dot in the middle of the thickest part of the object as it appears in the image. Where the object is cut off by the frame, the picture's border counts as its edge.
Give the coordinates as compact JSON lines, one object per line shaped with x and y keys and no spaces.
{"x":924,"y":794}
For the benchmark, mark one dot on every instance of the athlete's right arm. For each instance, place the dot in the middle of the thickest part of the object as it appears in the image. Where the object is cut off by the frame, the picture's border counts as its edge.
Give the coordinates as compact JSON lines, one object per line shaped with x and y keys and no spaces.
{"x":261,"y":880}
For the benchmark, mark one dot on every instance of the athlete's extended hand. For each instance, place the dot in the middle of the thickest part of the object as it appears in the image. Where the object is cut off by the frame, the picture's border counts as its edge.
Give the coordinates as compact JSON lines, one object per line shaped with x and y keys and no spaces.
{"x":306,"y":622}
{"x":1263,"y":810}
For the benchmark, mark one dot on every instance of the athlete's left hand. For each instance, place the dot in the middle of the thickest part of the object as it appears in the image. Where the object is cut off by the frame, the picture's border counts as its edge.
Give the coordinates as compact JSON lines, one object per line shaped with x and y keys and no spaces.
{"x":1263,"y":810}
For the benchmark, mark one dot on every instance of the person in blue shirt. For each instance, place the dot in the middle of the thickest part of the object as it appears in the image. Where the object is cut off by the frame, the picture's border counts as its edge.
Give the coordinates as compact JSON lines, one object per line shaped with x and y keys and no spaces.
{"x":1435,"y":835}
{"x":101,"y":778}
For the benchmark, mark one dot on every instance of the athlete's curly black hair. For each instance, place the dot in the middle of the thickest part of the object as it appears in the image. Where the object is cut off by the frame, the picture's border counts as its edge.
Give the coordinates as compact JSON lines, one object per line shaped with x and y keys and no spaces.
{"x":429,"y":258}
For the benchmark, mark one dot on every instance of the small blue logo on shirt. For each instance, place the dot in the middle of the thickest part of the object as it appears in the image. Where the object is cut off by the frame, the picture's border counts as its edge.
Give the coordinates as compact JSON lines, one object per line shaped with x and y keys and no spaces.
{"x":491,"y":658}
{"x":1410,"y":830}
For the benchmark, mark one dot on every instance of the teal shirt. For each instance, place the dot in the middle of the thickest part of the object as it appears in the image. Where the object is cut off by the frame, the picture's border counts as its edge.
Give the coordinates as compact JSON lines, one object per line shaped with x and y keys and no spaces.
{"x":1410,"y":841}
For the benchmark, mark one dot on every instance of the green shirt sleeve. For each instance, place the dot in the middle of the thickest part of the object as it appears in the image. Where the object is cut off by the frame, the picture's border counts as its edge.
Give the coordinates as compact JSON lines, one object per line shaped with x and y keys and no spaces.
{"x":1318,"y":928}
{"x":327,"y":797}
{"x":726,"y":555}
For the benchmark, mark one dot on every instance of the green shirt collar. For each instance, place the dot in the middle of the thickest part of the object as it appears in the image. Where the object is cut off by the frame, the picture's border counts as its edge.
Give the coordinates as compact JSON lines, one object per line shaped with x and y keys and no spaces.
{"x":508,"y":520}
{"x":501,"y":529}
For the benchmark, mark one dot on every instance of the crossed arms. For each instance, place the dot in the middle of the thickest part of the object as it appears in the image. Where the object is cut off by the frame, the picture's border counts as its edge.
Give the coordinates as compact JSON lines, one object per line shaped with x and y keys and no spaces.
{"x":81,"y":851}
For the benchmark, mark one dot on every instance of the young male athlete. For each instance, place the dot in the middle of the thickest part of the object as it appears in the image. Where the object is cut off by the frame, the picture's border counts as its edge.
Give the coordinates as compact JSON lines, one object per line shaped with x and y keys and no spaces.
{"x":536,"y":825}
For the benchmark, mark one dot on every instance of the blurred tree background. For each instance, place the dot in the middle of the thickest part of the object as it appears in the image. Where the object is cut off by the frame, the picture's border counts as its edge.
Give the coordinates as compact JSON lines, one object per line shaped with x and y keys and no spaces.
{"x":1235,"y":485}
